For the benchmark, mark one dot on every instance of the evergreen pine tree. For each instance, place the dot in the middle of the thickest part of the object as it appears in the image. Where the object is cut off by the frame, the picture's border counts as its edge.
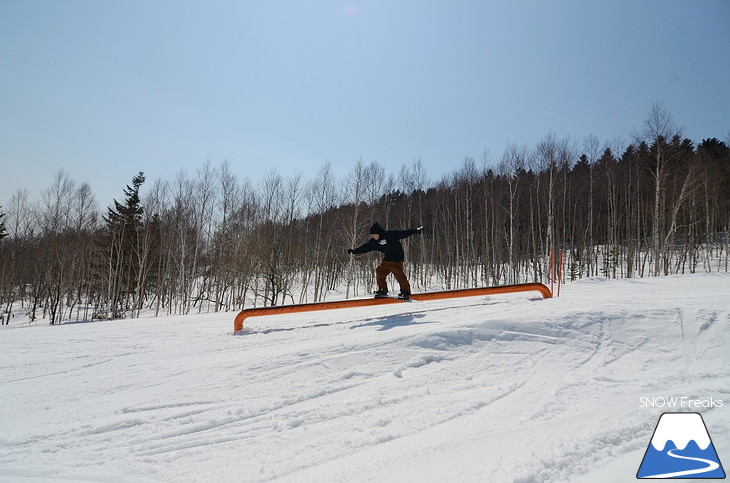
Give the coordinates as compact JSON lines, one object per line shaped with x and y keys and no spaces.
{"x":123,"y":223}
{"x":129,"y":213}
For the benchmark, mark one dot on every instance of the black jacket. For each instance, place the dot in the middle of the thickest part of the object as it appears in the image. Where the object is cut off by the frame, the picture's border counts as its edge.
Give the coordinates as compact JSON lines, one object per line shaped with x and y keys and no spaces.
{"x":389,"y":244}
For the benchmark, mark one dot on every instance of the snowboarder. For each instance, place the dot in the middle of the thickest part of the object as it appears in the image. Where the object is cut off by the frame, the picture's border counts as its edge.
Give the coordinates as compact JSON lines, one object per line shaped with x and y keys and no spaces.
{"x":388,"y":242}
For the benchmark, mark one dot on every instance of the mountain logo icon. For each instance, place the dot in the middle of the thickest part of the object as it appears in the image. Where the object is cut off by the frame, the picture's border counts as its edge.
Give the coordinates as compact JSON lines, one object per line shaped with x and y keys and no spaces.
{"x":681,"y":448}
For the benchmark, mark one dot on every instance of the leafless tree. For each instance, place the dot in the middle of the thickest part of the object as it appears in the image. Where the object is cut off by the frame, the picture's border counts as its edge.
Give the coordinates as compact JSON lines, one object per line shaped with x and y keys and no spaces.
{"x":659,"y":127}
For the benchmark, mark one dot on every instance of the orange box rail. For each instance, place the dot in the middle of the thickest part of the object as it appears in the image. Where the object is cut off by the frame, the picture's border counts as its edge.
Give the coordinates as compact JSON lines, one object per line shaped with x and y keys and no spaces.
{"x":342,"y":304}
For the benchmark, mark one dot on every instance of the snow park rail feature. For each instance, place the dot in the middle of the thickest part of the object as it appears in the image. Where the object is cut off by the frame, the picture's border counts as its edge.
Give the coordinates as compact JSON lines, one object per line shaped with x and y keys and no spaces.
{"x":343,"y":304}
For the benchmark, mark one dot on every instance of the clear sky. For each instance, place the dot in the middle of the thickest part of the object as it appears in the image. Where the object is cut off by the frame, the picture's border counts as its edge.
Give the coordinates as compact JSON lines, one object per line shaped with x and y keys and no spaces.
{"x":104,"y":89}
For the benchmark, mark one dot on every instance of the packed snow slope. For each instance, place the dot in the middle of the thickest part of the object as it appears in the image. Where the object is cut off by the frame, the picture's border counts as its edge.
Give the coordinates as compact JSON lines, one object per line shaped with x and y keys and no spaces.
{"x":501,"y":388}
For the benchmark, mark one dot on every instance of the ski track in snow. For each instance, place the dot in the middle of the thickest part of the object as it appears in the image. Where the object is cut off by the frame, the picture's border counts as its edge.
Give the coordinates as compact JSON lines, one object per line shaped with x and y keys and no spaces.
{"x":501,"y":388}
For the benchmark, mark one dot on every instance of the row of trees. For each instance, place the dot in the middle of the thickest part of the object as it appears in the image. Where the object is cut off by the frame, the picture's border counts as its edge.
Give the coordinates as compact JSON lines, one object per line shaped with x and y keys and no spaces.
{"x":212,"y":242}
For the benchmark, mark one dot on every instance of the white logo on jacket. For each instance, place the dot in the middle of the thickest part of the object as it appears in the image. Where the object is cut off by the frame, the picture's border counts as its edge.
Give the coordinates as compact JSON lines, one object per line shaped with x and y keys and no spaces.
{"x":383,"y":241}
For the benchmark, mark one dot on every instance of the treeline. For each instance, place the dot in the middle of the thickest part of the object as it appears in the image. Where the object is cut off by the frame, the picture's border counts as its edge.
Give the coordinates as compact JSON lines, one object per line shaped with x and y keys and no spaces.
{"x":211,"y":242}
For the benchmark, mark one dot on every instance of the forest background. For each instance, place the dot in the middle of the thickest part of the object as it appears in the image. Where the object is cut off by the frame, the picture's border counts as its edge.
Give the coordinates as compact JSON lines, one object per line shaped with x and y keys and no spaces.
{"x":658,"y":205}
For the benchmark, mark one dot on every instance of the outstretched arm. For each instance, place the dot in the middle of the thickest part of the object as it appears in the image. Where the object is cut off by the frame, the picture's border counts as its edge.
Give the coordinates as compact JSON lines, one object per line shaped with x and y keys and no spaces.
{"x":406,"y":233}
{"x":368,"y":246}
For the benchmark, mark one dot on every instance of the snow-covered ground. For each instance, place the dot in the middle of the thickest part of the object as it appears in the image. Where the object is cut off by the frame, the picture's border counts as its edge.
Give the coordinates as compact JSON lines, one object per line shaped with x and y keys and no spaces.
{"x":502,"y":388}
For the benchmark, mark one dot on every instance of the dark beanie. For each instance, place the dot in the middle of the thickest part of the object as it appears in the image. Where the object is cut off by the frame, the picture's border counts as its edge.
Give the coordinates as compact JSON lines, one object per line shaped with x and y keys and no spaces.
{"x":376,"y":228}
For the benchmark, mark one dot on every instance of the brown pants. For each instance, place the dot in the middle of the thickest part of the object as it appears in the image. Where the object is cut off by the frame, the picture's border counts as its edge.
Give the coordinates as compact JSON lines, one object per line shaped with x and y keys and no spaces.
{"x":396,"y":268}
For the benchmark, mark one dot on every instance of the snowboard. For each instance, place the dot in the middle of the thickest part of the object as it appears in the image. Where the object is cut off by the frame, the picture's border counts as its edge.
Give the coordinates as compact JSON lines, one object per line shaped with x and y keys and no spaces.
{"x":392,"y":297}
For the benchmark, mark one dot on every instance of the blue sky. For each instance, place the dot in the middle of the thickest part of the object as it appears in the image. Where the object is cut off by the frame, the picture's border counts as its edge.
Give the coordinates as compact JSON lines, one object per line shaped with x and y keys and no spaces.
{"x":104,"y":89}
